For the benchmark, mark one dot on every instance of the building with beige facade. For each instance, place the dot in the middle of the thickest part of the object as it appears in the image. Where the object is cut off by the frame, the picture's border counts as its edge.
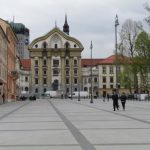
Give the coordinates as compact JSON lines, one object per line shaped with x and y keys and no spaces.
{"x":55,"y":62}
{"x":3,"y":64}
{"x":103,"y":75}
{"x":12,"y":74}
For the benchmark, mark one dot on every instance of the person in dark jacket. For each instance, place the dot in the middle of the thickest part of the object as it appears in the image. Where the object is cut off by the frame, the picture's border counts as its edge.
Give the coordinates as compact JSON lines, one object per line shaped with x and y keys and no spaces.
{"x":104,"y":96}
{"x":123,"y":99}
{"x":107,"y":96}
{"x":115,"y":100}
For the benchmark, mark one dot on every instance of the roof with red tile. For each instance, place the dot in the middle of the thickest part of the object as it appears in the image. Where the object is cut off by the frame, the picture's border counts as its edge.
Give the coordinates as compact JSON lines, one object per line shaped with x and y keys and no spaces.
{"x":88,"y":62}
{"x":26,"y":64}
{"x":106,"y":61}
{"x":109,"y":60}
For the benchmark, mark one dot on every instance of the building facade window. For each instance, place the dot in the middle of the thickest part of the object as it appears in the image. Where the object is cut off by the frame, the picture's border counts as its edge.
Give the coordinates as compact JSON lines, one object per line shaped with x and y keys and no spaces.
{"x":111,"y":79}
{"x":75,"y":62}
{"x":75,"y":72}
{"x":55,"y":62}
{"x":56,"y":46}
{"x":36,"y":72}
{"x":75,"y":89}
{"x":55,"y":72}
{"x":44,"y":62}
{"x":26,"y":89}
{"x":104,"y":79}
{"x":67,"y":62}
{"x":67,"y":80}
{"x":67,"y":72}
{"x":26,"y":79}
{"x":36,"y":81}
{"x":44,"y":45}
{"x":104,"y":86}
{"x":104,"y":69}
{"x":111,"y":70}
{"x":44,"y":90}
{"x":44,"y":81}
{"x":95,"y":80}
{"x":75,"y":80}
{"x":36,"y":62}
{"x":85,"y":89}
{"x":44,"y":72}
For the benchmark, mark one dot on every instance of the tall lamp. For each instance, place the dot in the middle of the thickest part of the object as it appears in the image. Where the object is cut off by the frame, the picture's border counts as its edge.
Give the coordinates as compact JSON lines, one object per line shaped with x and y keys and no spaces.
{"x":91,"y":47}
{"x":116,"y":24}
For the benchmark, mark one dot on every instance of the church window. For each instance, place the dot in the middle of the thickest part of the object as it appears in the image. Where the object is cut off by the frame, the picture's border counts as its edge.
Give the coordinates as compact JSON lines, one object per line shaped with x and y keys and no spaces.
{"x":56,"y":46}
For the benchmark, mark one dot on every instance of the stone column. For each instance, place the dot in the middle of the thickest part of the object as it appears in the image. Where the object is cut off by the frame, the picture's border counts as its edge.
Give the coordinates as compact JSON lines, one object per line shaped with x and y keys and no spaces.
{"x":49,"y":72}
{"x":40,"y":75}
{"x":71,"y":74}
{"x":63,"y":74}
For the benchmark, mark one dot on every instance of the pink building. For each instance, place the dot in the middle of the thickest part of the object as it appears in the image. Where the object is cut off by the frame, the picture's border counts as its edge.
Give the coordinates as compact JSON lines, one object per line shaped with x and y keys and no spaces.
{"x":12,"y":74}
{"x":3,"y":64}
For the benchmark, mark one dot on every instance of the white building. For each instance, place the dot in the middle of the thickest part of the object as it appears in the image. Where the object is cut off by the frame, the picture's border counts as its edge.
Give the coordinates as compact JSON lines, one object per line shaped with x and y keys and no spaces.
{"x":25,"y":76}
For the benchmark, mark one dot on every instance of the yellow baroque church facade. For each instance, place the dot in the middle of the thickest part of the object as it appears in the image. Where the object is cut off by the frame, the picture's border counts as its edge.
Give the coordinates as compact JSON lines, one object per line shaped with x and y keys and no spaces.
{"x":55,"y":62}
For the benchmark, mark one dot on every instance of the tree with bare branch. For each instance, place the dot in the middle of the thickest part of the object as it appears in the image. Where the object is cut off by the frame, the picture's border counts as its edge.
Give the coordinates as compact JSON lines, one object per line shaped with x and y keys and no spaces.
{"x":128,"y":35}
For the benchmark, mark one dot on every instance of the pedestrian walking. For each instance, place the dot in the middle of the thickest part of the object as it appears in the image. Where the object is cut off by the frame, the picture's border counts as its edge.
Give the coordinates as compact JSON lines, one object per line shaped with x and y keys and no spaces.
{"x":123,"y":99}
{"x":104,"y":96}
{"x":115,"y":100}
{"x":3,"y":97}
{"x":108,"y":97}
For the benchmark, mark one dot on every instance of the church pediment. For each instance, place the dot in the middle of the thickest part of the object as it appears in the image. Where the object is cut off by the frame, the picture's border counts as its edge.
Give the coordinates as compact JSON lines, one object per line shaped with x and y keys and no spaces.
{"x":55,"y":39}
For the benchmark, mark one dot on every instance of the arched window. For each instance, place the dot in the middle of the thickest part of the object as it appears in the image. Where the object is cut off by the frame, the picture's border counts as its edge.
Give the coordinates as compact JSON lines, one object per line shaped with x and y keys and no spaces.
{"x":85,"y":89}
{"x":44,"y":90}
{"x":26,"y":89}
{"x":55,"y":46}
{"x":44,"y":45}
{"x":67,"y":45}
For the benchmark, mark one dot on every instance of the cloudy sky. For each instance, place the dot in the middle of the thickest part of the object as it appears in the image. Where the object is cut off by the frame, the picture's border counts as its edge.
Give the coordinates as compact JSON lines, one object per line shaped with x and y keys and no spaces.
{"x":88,"y":19}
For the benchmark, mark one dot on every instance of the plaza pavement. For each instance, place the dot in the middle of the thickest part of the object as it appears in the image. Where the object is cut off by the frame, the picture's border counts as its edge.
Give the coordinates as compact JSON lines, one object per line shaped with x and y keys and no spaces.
{"x":60,"y":124}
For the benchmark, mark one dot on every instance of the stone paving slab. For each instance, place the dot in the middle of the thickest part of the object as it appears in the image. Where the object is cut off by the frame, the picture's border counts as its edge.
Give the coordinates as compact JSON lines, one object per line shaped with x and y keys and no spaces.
{"x":58,"y":124}
{"x":36,"y":137}
{"x":32,"y":126}
{"x":58,"y":147}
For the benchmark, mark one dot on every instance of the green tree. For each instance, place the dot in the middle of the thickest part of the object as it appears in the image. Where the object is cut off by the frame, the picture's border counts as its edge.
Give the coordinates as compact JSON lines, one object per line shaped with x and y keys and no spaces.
{"x":126,"y":77}
{"x":142,"y":59}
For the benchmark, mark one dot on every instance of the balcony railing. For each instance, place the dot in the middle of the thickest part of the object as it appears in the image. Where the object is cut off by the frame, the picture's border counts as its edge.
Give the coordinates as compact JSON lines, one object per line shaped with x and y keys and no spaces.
{"x":55,"y":74}
{"x":55,"y":65}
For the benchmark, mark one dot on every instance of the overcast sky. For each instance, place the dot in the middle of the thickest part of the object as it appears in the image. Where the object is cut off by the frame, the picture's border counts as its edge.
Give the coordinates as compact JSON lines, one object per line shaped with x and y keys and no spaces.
{"x":88,"y":19}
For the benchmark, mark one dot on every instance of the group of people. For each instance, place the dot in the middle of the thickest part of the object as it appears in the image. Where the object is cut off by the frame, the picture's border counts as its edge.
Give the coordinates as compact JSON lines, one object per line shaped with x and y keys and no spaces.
{"x":115,"y":99}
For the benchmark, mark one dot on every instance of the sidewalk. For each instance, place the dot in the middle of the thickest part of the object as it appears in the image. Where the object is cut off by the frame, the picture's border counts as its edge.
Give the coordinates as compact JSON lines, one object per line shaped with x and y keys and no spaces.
{"x":59,"y":124}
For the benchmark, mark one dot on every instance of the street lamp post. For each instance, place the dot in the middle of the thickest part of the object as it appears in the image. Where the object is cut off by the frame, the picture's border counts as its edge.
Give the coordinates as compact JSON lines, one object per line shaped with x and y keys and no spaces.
{"x":91,"y":101}
{"x":79,"y":92}
{"x":116,"y":24}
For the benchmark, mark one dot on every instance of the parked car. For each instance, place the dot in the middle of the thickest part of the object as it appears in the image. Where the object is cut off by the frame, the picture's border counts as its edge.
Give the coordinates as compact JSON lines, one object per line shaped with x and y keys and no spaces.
{"x":32,"y":98}
{"x":23,"y":98}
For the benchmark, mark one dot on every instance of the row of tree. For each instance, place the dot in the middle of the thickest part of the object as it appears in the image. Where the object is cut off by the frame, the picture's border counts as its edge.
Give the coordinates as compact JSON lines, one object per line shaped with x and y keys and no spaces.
{"x":135,"y":44}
